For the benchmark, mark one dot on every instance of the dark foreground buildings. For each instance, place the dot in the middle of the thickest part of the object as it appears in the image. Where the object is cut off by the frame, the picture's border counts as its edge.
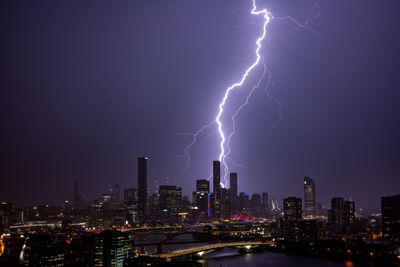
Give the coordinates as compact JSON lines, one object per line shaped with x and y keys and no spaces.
{"x":391,"y":217}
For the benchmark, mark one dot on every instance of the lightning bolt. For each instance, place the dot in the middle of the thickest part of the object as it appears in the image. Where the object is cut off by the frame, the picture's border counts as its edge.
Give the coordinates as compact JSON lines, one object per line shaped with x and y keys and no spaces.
{"x":228,"y":149}
{"x":306,"y":24}
{"x":195,"y":136}
{"x":273,"y":98}
{"x":267,"y":18}
{"x":225,"y":142}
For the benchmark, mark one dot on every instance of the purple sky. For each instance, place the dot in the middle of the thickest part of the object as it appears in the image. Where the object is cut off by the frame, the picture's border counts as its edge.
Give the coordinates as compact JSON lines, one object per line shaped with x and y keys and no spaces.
{"x":88,"y":86}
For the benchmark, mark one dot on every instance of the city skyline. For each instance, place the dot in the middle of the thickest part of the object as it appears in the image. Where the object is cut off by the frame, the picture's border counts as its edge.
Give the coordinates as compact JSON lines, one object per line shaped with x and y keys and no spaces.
{"x":199,"y":133}
{"x":88,"y":90}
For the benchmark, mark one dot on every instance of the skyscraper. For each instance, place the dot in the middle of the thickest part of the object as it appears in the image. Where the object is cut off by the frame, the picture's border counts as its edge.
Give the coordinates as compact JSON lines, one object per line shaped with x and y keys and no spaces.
{"x":76,"y":194}
{"x":309,"y":197}
{"x":349,"y":212}
{"x":292,"y":209}
{"x":255,"y":205}
{"x":78,"y":198}
{"x":108,"y":248}
{"x":244,"y":203}
{"x":225,"y":203}
{"x":142,"y":188}
{"x":115,"y":194}
{"x":391,"y":217}
{"x":170,"y":202}
{"x":336,"y":216}
{"x":203,"y":186}
{"x":131,"y":205}
{"x":201,"y":196}
{"x":234,"y":191}
{"x":217,"y":188}
{"x":264,"y":201}
{"x":131,"y":195}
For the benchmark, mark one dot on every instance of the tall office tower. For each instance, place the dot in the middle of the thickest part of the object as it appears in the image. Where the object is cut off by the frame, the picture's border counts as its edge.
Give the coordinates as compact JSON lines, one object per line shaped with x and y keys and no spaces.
{"x":142,"y":188}
{"x":256,"y":206}
{"x":115,"y":194}
{"x":244,"y":203}
{"x":349,"y":212}
{"x":234,"y":191}
{"x":201,"y":196}
{"x":131,"y":197}
{"x":292,"y":209}
{"x":217,"y":188}
{"x":336,"y":216}
{"x":108,"y":248}
{"x":264,"y":201}
{"x":309,"y":197}
{"x":76,"y":194}
{"x":391,"y":217}
{"x":203,"y":185}
{"x":78,"y":198}
{"x":292,"y":212}
{"x":170,"y":202}
{"x":153,"y":207}
{"x":42,"y":249}
{"x":225,"y":203}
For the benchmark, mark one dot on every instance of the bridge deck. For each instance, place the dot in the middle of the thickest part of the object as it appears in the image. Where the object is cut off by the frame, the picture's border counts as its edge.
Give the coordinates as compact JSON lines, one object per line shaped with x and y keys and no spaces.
{"x":188,"y":251}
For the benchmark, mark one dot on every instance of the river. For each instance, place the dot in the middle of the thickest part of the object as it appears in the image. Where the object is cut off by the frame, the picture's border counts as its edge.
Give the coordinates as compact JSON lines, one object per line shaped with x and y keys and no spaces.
{"x":272,"y":259}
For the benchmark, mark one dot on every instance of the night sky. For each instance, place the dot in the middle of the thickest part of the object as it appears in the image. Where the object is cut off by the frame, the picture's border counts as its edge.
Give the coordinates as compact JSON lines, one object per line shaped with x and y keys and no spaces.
{"x":88,"y":86}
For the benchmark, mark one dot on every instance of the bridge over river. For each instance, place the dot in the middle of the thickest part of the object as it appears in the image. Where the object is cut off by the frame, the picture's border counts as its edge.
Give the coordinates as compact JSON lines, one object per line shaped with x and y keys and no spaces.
{"x":202,"y":249}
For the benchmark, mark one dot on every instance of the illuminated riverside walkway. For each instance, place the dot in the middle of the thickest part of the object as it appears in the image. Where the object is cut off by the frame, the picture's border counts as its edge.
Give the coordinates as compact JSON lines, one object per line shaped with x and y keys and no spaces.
{"x":188,"y":251}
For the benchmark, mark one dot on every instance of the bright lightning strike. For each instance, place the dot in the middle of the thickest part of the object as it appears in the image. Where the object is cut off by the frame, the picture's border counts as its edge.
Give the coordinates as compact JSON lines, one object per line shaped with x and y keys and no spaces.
{"x":228,"y":149}
{"x":273,"y":98}
{"x":186,"y":151}
{"x":267,"y":18}
{"x":306,"y":24}
{"x":225,"y":142}
{"x":186,"y":154}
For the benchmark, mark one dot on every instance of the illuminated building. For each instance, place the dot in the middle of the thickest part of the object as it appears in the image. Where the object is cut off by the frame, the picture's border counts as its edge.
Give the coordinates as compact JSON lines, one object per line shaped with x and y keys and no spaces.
{"x":264,"y":201}
{"x":170,"y":202}
{"x":203,"y":186}
{"x":43,"y":250}
{"x":391,"y":217}
{"x":225,"y":203}
{"x":255,"y":204}
{"x":115,"y":194}
{"x":76,"y":194}
{"x":154,"y":212}
{"x":292,"y":212}
{"x":336,"y":216}
{"x":78,"y":198}
{"x":201,"y":196}
{"x":142,"y":189}
{"x":244,"y":203}
{"x":349,"y":212}
{"x":108,"y":249}
{"x":217,"y":188}
{"x":95,"y":216}
{"x":233,"y":181}
{"x":292,"y":209}
{"x":309,"y":197}
{"x":131,"y":197}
